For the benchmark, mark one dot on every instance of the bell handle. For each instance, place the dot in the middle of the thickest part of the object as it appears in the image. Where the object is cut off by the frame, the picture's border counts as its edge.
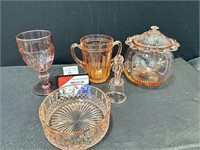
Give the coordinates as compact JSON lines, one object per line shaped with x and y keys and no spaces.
{"x":118,"y":51}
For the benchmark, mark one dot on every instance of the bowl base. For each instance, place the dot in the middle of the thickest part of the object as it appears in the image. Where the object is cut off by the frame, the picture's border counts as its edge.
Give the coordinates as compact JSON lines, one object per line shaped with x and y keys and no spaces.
{"x":144,"y":77}
{"x":76,"y":116}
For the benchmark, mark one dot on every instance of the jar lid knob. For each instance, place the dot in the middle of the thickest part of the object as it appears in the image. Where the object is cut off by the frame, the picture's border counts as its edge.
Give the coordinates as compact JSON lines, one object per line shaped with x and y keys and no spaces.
{"x":154,"y":27}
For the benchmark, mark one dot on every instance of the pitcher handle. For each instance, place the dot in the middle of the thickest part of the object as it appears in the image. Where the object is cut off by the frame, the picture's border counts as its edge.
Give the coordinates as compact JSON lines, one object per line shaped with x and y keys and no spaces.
{"x":118,"y":52}
{"x":78,"y":61}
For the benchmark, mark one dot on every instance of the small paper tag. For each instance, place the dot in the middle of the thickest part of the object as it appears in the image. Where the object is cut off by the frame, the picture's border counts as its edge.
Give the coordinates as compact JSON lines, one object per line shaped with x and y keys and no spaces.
{"x":70,"y":70}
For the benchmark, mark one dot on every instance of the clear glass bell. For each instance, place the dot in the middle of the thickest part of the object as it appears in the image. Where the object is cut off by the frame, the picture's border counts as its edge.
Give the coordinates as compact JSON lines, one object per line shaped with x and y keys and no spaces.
{"x":116,"y":85}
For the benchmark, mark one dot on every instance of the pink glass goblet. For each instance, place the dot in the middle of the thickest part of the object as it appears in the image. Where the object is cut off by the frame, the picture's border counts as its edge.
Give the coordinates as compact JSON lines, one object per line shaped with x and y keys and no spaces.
{"x":37,"y":50}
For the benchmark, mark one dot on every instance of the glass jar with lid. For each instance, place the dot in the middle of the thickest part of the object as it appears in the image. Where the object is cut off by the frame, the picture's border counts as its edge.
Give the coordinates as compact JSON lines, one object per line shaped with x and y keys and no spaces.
{"x":149,"y":60}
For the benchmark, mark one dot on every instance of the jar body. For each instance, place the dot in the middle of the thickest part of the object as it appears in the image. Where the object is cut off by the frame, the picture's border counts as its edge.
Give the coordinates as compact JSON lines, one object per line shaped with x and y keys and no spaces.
{"x":148,"y":68}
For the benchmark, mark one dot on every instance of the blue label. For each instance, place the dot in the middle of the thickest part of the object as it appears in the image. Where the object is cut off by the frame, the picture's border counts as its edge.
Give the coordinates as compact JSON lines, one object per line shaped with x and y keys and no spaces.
{"x":84,"y":89}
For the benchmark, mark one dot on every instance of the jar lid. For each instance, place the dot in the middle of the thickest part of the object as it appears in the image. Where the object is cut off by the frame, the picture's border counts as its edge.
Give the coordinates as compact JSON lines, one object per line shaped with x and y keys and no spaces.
{"x":152,"y":40}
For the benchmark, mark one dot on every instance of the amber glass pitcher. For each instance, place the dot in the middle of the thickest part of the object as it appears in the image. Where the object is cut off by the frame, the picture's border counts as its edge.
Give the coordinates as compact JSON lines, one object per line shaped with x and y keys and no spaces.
{"x":96,"y":55}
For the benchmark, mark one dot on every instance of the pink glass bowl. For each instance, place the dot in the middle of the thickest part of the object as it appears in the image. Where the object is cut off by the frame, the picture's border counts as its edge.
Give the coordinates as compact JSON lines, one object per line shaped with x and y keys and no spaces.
{"x":75,"y":117}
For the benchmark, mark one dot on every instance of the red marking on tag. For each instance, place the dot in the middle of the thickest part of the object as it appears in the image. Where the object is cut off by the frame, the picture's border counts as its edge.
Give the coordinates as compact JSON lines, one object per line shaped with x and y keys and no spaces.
{"x":63,"y":80}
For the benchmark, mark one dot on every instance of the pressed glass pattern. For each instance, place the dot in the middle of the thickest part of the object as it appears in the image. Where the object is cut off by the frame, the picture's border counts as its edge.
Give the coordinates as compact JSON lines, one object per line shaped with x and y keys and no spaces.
{"x":148,"y":60}
{"x":96,"y":55}
{"x":75,"y":119}
{"x":76,"y":116}
{"x":37,"y":50}
{"x":152,"y":40}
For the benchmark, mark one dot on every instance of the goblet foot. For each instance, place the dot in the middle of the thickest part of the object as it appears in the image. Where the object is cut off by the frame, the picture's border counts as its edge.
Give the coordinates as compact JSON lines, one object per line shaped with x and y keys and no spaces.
{"x":42,"y":90}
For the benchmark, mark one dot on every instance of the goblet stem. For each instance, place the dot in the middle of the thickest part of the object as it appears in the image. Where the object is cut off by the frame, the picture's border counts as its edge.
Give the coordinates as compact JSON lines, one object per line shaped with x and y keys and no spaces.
{"x":45,"y":86}
{"x":44,"y":76}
